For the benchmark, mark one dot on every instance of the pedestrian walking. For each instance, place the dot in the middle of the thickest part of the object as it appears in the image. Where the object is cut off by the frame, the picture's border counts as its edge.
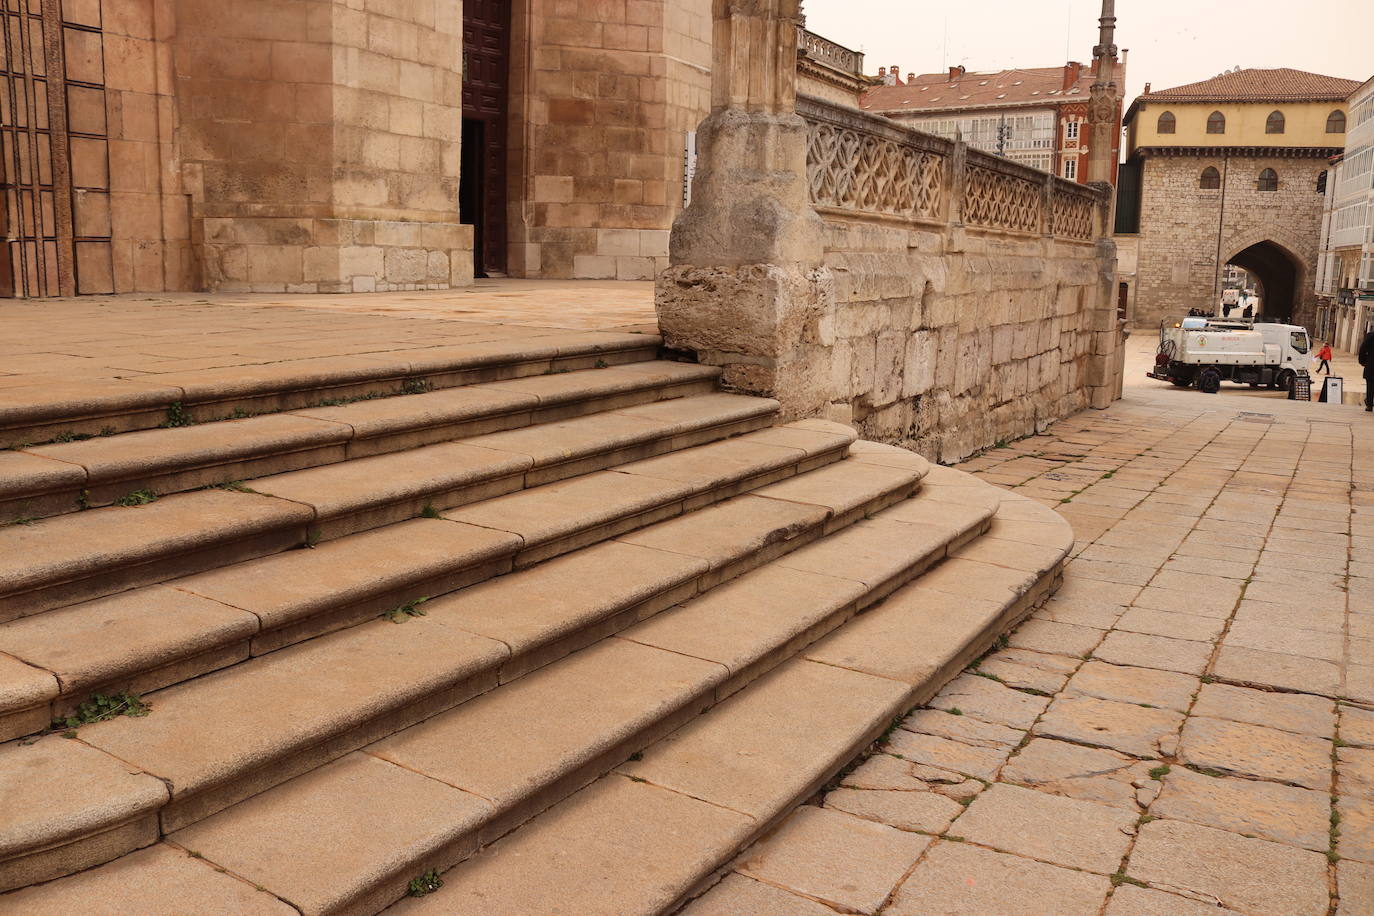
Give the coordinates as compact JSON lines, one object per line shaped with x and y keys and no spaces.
{"x":1367,"y":360}
{"x":1324,"y":356}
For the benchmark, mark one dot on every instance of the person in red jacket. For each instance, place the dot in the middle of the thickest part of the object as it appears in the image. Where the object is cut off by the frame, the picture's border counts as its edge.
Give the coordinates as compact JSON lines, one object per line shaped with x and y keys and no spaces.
{"x":1324,"y":354}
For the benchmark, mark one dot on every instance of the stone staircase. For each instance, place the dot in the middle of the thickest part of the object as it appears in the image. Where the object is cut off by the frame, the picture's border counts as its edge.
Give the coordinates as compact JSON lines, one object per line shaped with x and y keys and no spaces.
{"x":546,"y":598}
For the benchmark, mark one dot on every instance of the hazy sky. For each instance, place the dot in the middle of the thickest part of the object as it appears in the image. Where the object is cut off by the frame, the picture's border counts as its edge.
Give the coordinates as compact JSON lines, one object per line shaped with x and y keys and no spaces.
{"x":1171,"y":41}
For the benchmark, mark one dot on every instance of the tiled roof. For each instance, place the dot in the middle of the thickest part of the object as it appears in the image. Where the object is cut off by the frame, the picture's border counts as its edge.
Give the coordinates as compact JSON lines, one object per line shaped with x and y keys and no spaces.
{"x":1279,"y":85}
{"x":936,"y":91}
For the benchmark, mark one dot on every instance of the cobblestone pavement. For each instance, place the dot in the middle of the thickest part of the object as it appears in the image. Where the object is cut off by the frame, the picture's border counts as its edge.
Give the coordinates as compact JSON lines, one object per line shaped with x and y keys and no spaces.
{"x":1185,"y":728}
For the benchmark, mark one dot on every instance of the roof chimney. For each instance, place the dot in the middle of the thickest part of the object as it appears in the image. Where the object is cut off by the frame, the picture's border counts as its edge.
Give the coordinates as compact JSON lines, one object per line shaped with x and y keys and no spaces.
{"x":1072,"y":71}
{"x":911,"y":77}
{"x":955,"y":72}
{"x":895,"y":72}
{"x":1146,"y":90}
{"x":882,"y":73}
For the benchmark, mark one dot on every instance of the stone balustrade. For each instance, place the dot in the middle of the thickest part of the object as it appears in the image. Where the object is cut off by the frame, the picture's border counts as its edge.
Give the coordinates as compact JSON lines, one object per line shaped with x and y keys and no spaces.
{"x":861,"y":164}
{"x":822,"y":49}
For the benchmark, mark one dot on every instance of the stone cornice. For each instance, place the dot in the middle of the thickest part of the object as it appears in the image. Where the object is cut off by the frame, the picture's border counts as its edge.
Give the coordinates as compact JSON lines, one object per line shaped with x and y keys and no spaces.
{"x":1260,"y":152}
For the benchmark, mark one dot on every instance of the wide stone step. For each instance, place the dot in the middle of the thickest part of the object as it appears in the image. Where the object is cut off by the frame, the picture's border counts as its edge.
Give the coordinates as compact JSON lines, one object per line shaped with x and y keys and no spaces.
{"x":63,"y":560}
{"x":161,"y":634}
{"x":370,"y":492}
{"x":64,"y":477}
{"x":226,"y":736}
{"x":654,"y":832}
{"x":34,"y":414}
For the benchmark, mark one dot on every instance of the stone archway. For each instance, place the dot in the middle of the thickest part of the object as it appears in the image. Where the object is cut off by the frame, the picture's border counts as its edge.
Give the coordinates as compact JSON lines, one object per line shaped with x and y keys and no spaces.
{"x":1279,"y":274}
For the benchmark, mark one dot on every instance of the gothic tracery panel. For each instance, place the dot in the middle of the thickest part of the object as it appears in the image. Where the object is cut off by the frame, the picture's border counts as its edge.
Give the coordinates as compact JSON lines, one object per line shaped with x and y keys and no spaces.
{"x":996,"y":200}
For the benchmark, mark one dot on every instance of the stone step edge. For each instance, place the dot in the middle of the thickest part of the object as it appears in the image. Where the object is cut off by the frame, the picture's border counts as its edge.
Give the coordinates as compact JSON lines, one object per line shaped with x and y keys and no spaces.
{"x":68,"y":849}
{"x":19,"y":721}
{"x":690,"y":881}
{"x":62,"y":485}
{"x":294,"y":534}
{"x":510,"y":818}
{"x":146,"y":403}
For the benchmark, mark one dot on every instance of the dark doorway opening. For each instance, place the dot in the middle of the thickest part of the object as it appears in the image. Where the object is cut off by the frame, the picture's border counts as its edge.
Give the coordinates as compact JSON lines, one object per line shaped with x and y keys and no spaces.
{"x":1275,"y":273}
{"x":482,"y":184}
{"x":1123,"y":300}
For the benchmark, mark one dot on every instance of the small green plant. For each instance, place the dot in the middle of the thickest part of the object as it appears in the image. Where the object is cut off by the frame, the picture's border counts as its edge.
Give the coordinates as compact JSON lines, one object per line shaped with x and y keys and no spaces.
{"x":635,"y":778}
{"x":602,"y":364}
{"x":955,"y":711}
{"x":25,"y":520}
{"x":101,"y":707}
{"x":136,"y":498}
{"x":1160,"y":772}
{"x":427,"y":883}
{"x":238,"y":486}
{"x":429,"y":512}
{"x":414,"y":386}
{"x":406,"y":611}
{"x":1145,"y":819}
{"x":83,"y":500}
{"x":193,"y":854}
{"x":70,"y":436}
{"x":312,"y":536}
{"x":1109,"y":475}
{"x":108,"y":431}
{"x":1208,"y":679}
{"x":176,"y":416}
{"x":637,"y":756}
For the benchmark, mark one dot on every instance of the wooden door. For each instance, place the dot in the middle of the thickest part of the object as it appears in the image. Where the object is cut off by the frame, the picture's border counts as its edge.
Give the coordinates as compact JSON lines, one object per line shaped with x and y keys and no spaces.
{"x":486,"y":69}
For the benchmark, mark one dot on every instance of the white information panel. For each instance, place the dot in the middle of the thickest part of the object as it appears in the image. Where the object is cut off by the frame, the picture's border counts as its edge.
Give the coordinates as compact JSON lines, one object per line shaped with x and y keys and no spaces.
{"x":1335,"y":389}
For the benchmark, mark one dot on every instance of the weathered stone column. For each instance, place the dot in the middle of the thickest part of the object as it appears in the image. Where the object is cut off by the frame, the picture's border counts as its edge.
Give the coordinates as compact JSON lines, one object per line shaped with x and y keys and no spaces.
{"x":747,"y":288}
{"x":1109,"y":332}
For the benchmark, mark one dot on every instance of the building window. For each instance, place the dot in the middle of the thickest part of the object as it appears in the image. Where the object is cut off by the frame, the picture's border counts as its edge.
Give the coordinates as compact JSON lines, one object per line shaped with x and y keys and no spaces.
{"x":1321,"y":182}
{"x":1071,"y":169}
{"x":1216,"y":123}
{"x":1211,"y":179}
{"x":1274,"y":125}
{"x":1335,"y":122}
{"x":1167,"y":123}
{"x":1268,"y":180}
{"x":1072,"y":130}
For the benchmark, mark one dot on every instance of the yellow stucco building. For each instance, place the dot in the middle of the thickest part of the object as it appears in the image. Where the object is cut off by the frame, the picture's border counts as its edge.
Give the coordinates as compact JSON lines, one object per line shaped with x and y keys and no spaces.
{"x":1228,"y":171}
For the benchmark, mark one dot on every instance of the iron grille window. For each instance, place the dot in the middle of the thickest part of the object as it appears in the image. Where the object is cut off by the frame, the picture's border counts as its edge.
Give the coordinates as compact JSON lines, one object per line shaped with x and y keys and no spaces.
{"x":1168,"y":123}
{"x":1216,"y":123}
{"x":1211,"y":179}
{"x":1268,"y":180}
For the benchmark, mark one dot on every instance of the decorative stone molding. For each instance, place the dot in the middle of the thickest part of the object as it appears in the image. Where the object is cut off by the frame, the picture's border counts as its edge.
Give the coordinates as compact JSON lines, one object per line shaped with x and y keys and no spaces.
{"x":857,"y":162}
{"x":994,"y":199}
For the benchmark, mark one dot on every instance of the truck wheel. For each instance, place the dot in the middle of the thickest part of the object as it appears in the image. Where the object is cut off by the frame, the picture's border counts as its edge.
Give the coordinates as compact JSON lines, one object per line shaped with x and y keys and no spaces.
{"x":1209,"y":381}
{"x":1283,"y":379}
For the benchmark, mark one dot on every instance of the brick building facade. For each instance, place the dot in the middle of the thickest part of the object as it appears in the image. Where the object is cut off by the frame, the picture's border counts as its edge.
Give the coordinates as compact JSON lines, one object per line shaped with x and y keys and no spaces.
{"x":1036,"y":116}
{"x":1229,"y":173}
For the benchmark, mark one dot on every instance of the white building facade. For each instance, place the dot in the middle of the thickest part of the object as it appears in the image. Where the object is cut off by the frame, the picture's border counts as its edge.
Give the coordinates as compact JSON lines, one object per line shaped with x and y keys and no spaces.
{"x":1345,"y":269}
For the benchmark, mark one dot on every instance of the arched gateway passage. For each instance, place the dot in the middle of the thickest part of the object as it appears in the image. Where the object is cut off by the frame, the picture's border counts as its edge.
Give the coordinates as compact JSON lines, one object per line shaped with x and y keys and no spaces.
{"x":1277,"y":276}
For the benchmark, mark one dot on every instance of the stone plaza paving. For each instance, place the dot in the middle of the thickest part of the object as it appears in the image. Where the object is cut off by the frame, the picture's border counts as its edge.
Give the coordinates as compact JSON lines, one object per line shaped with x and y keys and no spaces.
{"x":1187,"y":727}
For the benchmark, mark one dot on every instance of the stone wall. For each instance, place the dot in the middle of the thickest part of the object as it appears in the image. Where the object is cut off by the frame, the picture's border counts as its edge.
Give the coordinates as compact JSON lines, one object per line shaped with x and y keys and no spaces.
{"x":1185,"y":241}
{"x":958,"y":299}
{"x":319,"y":142}
{"x":600,"y":105}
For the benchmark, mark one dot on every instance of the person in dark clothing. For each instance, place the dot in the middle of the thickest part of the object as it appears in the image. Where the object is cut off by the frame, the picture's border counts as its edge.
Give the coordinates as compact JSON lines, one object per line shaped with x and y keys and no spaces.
{"x":1249,"y":311}
{"x":1367,"y":360}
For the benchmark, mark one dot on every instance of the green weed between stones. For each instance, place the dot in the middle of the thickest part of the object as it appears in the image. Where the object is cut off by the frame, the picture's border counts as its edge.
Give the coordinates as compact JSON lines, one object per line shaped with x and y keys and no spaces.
{"x":955,"y":711}
{"x":1121,"y":878}
{"x":136,"y":498}
{"x":406,"y":611}
{"x":177,"y":416}
{"x":1160,"y":772}
{"x":602,"y":364}
{"x":101,"y":707}
{"x":429,"y":512}
{"x":414,"y":386}
{"x":427,"y":883}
